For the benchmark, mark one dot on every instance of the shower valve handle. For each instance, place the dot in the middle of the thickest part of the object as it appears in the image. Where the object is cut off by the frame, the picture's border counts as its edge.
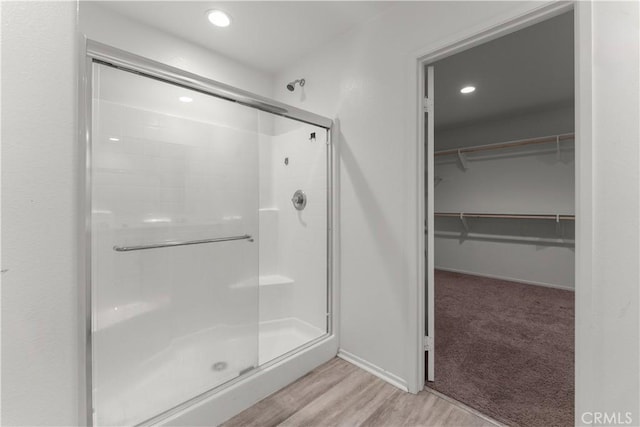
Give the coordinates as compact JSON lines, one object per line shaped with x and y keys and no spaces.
{"x":299,"y":200}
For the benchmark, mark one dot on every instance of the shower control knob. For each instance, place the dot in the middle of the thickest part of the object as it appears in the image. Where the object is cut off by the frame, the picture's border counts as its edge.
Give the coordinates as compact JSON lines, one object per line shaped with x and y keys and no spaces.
{"x":299,"y":200}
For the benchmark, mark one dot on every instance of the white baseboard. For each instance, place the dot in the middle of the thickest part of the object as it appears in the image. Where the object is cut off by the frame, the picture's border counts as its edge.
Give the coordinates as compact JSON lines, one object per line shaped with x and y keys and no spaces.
{"x":510,"y":279}
{"x":387,"y":376}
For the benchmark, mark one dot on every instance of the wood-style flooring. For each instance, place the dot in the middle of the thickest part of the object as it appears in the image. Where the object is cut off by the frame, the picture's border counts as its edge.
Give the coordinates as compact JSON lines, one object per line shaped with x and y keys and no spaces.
{"x":341,"y":394}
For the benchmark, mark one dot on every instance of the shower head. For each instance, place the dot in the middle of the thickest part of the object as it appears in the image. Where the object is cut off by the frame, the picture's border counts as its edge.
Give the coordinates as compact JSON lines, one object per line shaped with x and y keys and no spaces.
{"x":291,"y":86}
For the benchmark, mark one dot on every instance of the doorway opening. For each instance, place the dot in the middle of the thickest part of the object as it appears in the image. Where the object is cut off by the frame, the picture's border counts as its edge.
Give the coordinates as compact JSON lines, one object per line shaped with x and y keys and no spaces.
{"x":500,"y":193}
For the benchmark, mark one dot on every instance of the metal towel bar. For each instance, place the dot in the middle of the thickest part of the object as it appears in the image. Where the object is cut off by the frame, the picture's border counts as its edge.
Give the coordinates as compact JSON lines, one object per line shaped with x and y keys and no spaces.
{"x":180,"y":243}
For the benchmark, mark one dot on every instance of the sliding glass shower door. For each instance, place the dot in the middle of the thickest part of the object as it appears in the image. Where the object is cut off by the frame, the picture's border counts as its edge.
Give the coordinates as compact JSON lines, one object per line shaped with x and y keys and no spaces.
{"x":174,"y":223}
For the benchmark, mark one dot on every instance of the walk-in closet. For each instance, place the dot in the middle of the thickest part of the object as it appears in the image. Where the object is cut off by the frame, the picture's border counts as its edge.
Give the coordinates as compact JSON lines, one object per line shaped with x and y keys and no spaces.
{"x":503,"y":215}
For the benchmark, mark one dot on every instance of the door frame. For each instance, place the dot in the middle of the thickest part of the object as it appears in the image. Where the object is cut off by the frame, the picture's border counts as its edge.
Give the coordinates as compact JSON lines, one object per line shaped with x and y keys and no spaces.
{"x":584,"y":223}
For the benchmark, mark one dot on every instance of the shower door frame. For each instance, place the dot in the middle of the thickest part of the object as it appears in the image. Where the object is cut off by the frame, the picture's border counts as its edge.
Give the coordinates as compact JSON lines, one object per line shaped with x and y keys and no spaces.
{"x":95,"y":52}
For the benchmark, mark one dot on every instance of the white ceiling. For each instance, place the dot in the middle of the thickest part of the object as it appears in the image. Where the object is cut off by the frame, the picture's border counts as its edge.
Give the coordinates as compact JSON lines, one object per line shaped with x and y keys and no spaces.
{"x":528,"y":70}
{"x":267,"y":35}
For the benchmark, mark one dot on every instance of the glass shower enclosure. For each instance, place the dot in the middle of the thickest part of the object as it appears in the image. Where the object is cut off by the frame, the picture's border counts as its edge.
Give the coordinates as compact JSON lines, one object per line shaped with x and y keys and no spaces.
{"x":208,"y":233}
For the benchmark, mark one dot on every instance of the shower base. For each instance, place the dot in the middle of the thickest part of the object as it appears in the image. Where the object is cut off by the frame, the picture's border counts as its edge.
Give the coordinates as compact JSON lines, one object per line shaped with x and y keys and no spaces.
{"x":278,"y":337}
{"x":194,"y":365}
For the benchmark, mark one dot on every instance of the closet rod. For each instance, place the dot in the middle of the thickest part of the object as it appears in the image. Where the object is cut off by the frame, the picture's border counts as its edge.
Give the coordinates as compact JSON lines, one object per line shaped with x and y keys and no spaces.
{"x":509,"y":144}
{"x":508,"y":216}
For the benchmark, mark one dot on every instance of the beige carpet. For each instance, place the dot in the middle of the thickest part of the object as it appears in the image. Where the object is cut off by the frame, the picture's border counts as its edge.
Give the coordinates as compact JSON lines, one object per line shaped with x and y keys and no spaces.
{"x":506,"y":349}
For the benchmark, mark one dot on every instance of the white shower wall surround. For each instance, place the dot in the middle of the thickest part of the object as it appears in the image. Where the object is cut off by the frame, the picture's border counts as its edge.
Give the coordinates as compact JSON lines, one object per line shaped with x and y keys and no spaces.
{"x":291,"y":241}
{"x":296,"y":239}
{"x":172,"y":323}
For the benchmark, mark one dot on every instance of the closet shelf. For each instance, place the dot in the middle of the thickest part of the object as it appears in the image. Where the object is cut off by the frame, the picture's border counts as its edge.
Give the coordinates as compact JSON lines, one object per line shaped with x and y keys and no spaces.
{"x":462,"y":215}
{"x":509,"y":144}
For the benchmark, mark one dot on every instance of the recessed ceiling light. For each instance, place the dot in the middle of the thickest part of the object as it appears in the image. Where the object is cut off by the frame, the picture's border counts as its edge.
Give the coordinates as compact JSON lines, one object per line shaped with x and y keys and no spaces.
{"x":185,"y":99}
{"x":114,"y":139}
{"x":467,"y":89}
{"x":218,"y":18}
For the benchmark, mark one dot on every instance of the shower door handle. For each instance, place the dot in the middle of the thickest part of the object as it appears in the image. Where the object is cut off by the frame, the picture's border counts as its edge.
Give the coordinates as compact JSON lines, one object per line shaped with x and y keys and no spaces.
{"x":180,"y":243}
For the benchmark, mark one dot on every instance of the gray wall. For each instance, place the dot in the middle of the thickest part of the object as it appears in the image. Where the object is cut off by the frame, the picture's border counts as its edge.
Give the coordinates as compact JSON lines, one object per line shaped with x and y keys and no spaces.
{"x":39,"y":214}
{"x":527,"y":180}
